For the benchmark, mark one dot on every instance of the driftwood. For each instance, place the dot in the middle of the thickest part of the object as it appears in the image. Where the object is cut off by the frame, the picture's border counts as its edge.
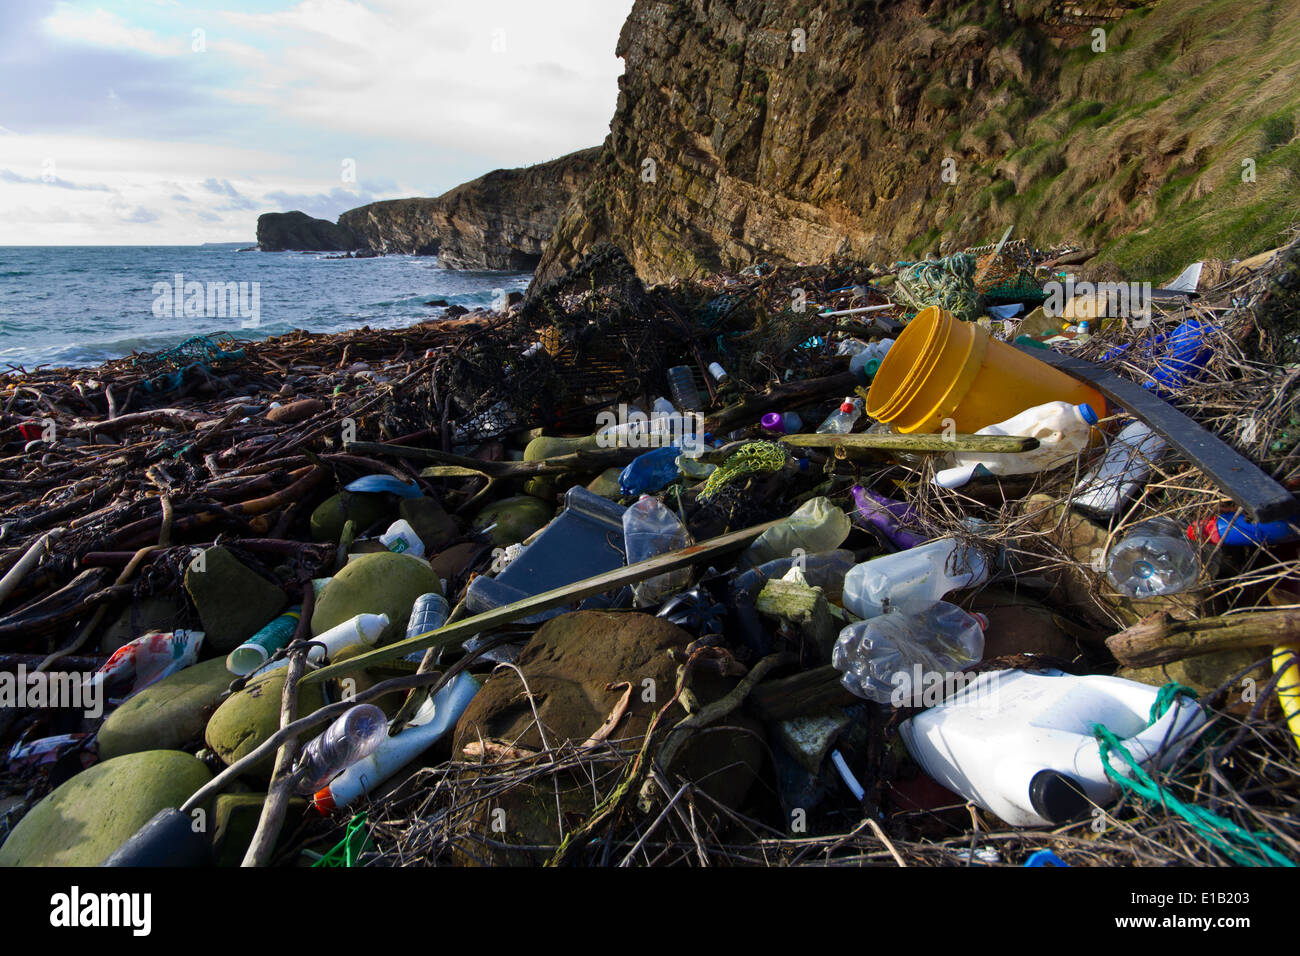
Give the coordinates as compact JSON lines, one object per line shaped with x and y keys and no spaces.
{"x":1160,"y":639}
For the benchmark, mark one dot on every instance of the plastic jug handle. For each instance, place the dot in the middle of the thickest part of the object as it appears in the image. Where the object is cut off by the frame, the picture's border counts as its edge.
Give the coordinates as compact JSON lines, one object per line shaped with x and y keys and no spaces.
{"x":1167,"y":736}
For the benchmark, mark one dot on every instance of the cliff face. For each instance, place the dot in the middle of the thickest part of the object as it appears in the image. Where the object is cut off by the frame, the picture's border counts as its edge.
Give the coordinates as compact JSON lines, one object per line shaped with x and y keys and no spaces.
{"x":284,"y":231}
{"x":1156,"y":130}
{"x":498,"y":221}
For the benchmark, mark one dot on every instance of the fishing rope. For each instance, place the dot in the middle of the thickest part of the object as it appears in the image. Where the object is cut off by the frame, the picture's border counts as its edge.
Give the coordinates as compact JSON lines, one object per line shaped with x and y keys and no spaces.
{"x":755,"y":458}
{"x":1218,"y":830}
{"x":947,"y":282}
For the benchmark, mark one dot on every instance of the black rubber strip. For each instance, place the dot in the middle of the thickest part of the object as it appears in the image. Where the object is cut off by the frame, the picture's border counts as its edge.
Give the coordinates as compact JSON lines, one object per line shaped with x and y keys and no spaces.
{"x":1239,"y":478}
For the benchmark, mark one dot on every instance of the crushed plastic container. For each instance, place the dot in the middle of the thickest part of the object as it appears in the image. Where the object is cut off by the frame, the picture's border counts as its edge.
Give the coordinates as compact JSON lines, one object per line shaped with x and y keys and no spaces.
{"x":887,"y":658}
{"x":1126,"y":464}
{"x":912,"y":580}
{"x":651,"y":528}
{"x":816,"y":525}
{"x":1063,"y":430}
{"x":885,"y":515}
{"x":400,"y":538}
{"x":1021,"y":745}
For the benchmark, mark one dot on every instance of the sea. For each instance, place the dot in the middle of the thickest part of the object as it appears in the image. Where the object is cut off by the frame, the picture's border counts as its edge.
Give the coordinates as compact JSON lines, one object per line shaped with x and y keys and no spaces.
{"x":82,"y":305}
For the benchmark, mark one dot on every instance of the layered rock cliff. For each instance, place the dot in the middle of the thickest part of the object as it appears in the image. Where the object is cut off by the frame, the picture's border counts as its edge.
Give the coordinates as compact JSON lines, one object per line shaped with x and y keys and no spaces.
{"x":1155,"y":130}
{"x":498,"y":221}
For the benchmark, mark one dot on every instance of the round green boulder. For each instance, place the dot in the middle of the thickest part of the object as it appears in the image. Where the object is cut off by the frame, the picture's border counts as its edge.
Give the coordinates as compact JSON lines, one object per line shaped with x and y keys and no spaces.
{"x":246,"y":719}
{"x":363,"y":509}
{"x":379,"y":583}
{"x":168,"y":715}
{"x":515,"y":518}
{"x":83,"y":821}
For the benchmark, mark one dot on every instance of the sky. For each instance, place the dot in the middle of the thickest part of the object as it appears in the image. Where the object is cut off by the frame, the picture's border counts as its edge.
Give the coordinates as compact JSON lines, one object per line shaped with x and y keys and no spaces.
{"x":142,"y":122}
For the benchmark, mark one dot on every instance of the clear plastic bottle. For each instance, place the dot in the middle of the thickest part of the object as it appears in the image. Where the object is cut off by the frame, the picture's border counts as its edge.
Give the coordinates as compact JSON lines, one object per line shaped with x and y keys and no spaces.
{"x":681,"y":385}
{"x":842,"y":420}
{"x":353,"y":736}
{"x":651,"y":528}
{"x":1154,"y":558}
{"x":912,"y":580}
{"x":887,"y":658}
{"x":429,"y":613}
{"x":867,"y":362}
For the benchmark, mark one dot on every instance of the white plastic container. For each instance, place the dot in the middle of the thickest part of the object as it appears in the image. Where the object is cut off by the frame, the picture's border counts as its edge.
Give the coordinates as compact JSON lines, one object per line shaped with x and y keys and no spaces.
{"x":400,"y":538}
{"x":1063,"y":430}
{"x":1020,"y":745}
{"x":912,"y":580}
{"x":1125,"y":466}
{"x":435,"y":717}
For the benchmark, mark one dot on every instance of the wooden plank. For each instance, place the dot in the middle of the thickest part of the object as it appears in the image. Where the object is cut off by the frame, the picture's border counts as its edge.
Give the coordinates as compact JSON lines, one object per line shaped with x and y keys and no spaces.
{"x":1012,"y":444}
{"x":1239,"y":478}
{"x":462,"y":630}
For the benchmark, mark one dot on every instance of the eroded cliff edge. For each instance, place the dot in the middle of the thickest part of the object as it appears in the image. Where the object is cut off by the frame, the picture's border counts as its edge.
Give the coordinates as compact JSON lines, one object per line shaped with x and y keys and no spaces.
{"x":1155,"y":130}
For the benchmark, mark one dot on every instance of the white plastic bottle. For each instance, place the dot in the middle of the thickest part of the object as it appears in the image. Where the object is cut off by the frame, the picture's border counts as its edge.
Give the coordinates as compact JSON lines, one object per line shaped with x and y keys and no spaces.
{"x":842,"y":420}
{"x":1021,"y":745}
{"x":1063,"y":430}
{"x":362,"y":629}
{"x":1127,"y":462}
{"x":435,"y":717}
{"x":912,"y":580}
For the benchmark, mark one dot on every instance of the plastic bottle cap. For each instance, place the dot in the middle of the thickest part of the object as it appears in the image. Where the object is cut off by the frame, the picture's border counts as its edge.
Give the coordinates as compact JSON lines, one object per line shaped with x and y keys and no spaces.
{"x":773,"y":422}
{"x":1087,"y":414}
{"x":717,"y":371}
{"x":847,"y":408}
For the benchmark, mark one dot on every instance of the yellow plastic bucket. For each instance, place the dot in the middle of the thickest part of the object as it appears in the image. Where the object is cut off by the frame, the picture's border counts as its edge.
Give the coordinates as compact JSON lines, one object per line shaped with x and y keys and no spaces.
{"x":942,"y":368}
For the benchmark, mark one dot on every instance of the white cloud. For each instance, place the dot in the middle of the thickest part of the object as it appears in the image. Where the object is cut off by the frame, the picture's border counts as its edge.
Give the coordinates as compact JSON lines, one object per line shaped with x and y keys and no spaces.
{"x":105,"y":29}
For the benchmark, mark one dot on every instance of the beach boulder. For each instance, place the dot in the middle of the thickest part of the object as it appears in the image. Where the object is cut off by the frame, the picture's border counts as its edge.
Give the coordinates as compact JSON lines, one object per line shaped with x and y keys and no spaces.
{"x":246,"y":719}
{"x":233,"y":601}
{"x":83,"y":821}
{"x":364,"y":509}
{"x":167,"y":715}
{"x":379,"y":583}
{"x":515,"y":518}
